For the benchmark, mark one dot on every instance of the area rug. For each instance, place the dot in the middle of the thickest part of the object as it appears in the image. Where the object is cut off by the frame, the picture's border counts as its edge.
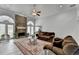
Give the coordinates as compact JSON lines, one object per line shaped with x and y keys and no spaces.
{"x":28,"y":49}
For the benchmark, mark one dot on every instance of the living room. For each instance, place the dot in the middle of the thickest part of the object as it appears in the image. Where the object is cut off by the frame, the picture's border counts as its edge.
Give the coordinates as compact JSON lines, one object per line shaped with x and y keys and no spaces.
{"x":23,"y":23}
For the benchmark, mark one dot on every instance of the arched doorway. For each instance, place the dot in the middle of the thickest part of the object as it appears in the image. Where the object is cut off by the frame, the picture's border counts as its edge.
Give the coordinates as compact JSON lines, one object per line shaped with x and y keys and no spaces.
{"x":6,"y":26}
{"x":30,"y":28}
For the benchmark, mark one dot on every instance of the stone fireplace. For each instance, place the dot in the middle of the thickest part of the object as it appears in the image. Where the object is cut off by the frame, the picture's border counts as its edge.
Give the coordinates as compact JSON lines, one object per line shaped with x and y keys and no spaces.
{"x":21,"y":32}
{"x":21,"y":26}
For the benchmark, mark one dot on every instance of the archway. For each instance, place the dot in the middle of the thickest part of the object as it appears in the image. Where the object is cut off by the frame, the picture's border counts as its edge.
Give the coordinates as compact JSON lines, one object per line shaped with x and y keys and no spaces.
{"x":6,"y":26}
{"x":30,"y":29}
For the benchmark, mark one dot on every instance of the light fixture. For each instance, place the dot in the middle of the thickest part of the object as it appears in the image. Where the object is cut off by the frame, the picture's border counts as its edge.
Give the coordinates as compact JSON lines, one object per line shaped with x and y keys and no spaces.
{"x":35,"y":12}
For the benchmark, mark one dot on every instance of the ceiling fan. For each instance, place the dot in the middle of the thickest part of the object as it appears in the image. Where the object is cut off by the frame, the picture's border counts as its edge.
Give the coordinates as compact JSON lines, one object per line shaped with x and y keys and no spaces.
{"x":35,"y":12}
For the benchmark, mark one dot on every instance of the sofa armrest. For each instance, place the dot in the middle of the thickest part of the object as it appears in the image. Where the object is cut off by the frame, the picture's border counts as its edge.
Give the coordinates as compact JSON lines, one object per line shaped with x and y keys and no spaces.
{"x":52,"y":36}
{"x":56,"y":50}
{"x":48,"y":47}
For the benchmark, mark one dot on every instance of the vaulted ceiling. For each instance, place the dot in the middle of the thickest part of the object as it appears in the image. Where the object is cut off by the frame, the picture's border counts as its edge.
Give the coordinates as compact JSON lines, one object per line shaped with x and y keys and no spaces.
{"x":46,"y":9}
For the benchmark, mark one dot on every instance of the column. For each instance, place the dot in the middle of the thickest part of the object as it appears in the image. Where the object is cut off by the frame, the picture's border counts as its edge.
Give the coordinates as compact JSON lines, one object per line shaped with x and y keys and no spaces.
{"x":34,"y":24}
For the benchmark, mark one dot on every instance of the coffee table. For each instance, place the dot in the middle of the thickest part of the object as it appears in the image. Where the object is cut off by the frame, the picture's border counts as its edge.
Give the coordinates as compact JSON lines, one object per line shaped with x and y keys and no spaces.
{"x":29,"y":49}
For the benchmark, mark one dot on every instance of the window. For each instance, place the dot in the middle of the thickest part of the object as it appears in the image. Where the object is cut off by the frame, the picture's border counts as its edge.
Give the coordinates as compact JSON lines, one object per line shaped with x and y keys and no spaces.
{"x":37,"y":28}
{"x":2,"y":29}
{"x":30,"y":23}
{"x":10,"y":30}
{"x":6,"y":26}
{"x":6,"y":19}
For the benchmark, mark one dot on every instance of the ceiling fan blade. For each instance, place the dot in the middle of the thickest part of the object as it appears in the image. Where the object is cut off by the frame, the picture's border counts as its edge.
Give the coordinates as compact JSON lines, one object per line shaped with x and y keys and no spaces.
{"x":38,"y":14}
{"x":72,"y":5}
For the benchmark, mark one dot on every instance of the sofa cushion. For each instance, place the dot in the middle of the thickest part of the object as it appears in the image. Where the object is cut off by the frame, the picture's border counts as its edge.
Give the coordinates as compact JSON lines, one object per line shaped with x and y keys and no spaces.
{"x":68,"y":39}
{"x":40,"y":33}
{"x":58,"y":42}
{"x":45,"y":36}
{"x":44,"y":33}
{"x":49,"y":34}
{"x":70,"y":48}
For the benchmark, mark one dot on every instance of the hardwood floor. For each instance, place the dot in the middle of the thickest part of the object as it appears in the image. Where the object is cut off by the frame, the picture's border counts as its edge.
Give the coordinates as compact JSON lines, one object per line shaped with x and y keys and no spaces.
{"x":9,"y":48}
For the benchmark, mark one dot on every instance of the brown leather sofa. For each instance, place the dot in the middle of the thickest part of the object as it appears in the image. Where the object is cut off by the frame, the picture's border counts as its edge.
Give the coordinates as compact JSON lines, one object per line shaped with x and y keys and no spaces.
{"x":66,"y":46}
{"x":46,"y":36}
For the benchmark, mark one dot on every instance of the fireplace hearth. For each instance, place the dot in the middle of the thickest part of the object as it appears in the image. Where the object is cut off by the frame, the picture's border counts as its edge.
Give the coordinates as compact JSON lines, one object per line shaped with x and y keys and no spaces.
{"x":21,"y":34}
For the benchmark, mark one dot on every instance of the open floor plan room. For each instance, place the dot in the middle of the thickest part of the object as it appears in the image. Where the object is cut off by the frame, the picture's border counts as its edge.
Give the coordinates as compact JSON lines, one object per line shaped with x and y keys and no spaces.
{"x":39,"y":29}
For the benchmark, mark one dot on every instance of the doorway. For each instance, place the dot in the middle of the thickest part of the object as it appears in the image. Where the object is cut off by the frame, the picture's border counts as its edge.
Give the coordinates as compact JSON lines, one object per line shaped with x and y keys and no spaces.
{"x":30,"y":28}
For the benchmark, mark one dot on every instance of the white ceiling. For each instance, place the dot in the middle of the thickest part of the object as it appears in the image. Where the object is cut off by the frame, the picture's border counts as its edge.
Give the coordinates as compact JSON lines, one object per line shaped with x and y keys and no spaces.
{"x":26,"y":9}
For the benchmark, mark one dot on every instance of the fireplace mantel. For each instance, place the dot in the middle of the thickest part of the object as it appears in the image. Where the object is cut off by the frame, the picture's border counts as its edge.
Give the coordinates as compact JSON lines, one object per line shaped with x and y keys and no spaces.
{"x":19,"y":27}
